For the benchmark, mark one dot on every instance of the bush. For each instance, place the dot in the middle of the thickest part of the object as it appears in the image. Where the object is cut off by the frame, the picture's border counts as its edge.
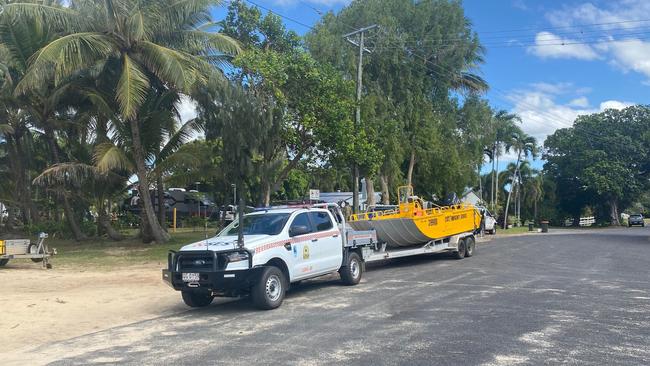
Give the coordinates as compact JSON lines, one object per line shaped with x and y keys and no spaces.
{"x":57,"y":229}
{"x":194,"y":221}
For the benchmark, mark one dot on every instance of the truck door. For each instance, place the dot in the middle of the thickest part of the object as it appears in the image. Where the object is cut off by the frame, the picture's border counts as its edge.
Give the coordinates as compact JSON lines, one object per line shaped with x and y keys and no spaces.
{"x":327,"y":247}
{"x":301,"y":232}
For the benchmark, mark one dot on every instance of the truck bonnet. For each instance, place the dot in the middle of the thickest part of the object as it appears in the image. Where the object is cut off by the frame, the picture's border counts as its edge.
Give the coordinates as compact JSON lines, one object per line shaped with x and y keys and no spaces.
{"x":226,"y":243}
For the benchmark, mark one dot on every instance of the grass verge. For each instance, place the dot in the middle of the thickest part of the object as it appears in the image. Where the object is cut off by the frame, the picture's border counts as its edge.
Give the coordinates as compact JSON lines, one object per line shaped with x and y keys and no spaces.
{"x":106,"y":254}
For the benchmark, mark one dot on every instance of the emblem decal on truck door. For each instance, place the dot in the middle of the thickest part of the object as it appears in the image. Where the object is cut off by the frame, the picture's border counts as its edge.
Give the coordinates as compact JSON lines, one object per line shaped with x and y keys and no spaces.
{"x":305,"y":252}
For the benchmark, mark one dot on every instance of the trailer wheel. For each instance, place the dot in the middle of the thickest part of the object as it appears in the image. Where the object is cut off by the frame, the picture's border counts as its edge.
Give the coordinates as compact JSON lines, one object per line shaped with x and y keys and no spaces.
{"x":269,"y":291}
{"x":470,"y":244}
{"x":33,"y":249}
{"x":197,"y":299}
{"x":352,"y":271}
{"x":460,"y":253}
{"x":3,"y":262}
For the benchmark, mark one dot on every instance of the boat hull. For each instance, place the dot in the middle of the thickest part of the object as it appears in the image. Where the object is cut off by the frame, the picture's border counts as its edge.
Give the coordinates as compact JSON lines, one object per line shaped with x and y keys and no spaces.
{"x":420,"y":227}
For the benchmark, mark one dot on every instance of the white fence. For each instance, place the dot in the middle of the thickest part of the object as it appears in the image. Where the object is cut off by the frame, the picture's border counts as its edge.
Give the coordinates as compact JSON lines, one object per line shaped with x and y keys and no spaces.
{"x":584,"y":221}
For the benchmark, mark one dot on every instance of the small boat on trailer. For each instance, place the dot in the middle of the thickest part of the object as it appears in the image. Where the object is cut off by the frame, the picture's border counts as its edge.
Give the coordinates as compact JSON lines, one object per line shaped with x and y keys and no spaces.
{"x":413,"y":224}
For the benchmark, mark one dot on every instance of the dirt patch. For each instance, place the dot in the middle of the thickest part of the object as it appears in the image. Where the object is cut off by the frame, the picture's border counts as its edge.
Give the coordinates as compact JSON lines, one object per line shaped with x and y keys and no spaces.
{"x":40,"y":306}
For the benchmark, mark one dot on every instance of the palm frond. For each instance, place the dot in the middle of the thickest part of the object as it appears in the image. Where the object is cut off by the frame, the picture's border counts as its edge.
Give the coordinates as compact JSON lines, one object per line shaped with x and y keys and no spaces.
{"x":59,"y":17}
{"x":66,"y":55}
{"x":210,"y":43}
{"x":109,"y":157}
{"x":64,"y":173}
{"x":181,"y":136}
{"x":169,"y":65}
{"x":131,"y":88}
{"x":178,"y":160}
{"x":6,"y":129}
{"x":470,"y":83}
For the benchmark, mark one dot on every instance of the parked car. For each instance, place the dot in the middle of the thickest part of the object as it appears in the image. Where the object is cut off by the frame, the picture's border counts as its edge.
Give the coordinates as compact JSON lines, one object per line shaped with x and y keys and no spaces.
{"x":636,"y":219}
{"x":489,"y":221}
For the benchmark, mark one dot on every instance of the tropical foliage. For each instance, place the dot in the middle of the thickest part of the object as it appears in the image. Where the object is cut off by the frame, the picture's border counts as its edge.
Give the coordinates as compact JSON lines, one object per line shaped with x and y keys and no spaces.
{"x":94,"y":100}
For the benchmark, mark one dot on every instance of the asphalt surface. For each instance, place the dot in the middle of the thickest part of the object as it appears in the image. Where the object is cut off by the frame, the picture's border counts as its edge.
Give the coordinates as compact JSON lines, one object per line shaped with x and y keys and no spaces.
{"x":579,"y":298}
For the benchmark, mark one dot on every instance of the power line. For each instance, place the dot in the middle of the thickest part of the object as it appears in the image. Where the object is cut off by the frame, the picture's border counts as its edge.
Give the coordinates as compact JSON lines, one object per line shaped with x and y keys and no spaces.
{"x":569,"y":26}
{"x":493,"y":39}
{"x":504,"y":94}
{"x":280,"y":15}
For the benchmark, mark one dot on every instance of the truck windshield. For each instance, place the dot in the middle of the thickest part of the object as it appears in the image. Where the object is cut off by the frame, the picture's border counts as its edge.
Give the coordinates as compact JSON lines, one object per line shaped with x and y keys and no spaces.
{"x":264,"y":224}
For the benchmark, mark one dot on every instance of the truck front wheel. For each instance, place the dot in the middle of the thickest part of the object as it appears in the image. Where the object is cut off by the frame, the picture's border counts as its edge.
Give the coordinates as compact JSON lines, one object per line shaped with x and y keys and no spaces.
{"x":352,"y":271}
{"x":197,"y":299}
{"x":269,"y":291}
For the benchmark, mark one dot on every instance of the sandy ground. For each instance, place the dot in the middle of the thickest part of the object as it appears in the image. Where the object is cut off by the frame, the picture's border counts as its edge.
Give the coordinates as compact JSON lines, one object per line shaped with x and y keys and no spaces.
{"x":39,"y":306}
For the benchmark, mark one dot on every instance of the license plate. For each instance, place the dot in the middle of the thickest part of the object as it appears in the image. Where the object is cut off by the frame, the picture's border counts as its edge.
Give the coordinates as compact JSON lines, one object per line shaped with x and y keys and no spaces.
{"x":191,"y":277}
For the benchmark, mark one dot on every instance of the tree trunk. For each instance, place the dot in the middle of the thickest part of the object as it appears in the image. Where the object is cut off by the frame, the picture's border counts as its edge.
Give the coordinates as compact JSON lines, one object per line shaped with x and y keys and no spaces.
{"x":265,"y":194}
{"x":149,"y":215}
{"x":480,"y":183}
{"x":492,"y":184}
{"x":370,"y":192}
{"x":496,"y":184}
{"x":385,"y":191}
{"x":409,"y":174}
{"x":23,"y":184}
{"x":67,"y":208}
{"x":10,"y":218}
{"x":162,"y":211}
{"x":105,"y":223}
{"x":285,"y":172}
{"x":613,"y":204}
{"x":512,"y":186}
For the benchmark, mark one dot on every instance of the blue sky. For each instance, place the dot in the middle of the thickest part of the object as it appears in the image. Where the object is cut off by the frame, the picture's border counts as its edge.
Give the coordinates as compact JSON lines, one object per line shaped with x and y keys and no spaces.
{"x":549,"y":61}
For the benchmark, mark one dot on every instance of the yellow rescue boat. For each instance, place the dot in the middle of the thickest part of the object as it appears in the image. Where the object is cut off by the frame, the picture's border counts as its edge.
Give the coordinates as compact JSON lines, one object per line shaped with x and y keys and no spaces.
{"x":411,"y":223}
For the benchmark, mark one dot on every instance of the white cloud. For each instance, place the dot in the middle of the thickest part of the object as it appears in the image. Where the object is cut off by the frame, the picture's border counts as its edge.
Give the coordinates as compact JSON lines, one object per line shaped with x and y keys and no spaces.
{"x":581,"y":102}
{"x":519,"y":4}
{"x":611,"y":27}
{"x":614,"y":104}
{"x":612,"y":15}
{"x":186,"y":109}
{"x":552,"y":88}
{"x":631,"y":54}
{"x":542,"y":113}
{"x":549,"y":45}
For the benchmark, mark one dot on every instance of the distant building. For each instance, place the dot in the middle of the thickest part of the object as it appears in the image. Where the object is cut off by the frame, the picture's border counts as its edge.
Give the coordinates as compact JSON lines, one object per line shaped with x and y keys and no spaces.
{"x":338,"y":197}
{"x":470,"y":197}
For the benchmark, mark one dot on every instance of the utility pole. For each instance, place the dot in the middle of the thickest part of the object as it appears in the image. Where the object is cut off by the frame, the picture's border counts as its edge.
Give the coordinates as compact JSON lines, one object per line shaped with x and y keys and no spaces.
{"x":357,"y":115}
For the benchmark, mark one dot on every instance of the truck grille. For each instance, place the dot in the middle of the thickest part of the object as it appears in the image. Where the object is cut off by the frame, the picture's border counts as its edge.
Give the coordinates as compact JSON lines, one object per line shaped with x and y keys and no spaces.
{"x":200,"y":262}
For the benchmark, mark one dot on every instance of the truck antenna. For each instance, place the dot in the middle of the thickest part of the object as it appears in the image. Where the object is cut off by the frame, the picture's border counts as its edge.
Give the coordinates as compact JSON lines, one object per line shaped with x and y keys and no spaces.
{"x":240,"y":218}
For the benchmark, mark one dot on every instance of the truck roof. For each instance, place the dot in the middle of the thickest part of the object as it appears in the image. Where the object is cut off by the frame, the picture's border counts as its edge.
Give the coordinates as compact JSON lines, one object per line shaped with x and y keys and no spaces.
{"x":286,"y":209}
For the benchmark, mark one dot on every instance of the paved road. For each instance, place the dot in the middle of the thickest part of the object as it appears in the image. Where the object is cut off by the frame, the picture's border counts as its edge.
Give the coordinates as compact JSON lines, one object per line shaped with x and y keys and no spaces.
{"x":541,"y":299}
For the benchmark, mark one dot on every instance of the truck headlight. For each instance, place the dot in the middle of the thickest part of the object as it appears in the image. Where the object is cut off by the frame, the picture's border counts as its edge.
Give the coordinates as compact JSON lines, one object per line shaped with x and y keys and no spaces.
{"x":237,"y":257}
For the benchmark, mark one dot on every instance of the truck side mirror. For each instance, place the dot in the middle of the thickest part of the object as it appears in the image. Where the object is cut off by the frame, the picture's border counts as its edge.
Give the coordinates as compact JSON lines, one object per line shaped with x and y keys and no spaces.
{"x":298,"y":230}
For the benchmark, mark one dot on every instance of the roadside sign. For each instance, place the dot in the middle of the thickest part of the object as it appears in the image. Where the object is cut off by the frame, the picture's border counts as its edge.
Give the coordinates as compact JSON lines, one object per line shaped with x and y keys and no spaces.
{"x":314,"y":194}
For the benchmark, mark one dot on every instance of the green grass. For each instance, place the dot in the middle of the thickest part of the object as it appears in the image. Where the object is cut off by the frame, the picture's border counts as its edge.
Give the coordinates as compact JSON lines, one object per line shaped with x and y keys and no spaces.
{"x":514,"y":230}
{"x":106,"y":254}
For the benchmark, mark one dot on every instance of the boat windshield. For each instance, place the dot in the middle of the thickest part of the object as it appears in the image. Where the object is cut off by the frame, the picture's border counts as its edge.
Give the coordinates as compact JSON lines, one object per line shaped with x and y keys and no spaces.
{"x":258,"y":224}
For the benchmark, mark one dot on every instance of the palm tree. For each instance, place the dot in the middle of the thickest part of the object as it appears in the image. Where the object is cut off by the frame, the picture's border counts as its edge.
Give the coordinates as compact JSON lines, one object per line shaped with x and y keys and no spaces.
{"x":21,"y":38}
{"x":535,"y":189}
{"x":504,"y":126}
{"x":135,"y":47}
{"x":524,"y":145}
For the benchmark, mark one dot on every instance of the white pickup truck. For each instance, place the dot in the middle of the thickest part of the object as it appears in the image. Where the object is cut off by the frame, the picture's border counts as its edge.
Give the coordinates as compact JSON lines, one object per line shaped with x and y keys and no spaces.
{"x":283,"y":246}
